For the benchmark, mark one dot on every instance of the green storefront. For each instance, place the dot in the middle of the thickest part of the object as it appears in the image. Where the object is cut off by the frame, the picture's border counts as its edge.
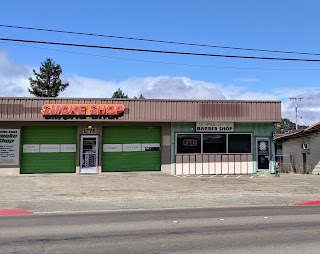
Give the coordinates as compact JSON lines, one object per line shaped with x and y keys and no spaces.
{"x":47,"y":149}
{"x":141,"y":152}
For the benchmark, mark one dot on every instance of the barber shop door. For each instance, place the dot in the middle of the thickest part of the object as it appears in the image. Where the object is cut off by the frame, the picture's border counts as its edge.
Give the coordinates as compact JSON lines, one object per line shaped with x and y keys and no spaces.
{"x":263,"y":154}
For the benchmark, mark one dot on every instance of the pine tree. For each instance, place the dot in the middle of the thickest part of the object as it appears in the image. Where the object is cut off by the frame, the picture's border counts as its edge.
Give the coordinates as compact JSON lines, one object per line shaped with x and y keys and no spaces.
{"x":140,"y":97}
{"x":119,"y":94}
{"x":47,"y":83}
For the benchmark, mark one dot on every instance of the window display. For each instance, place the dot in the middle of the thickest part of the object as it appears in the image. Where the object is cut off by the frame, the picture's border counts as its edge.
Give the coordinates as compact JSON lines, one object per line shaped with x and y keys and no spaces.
{"x":188,"y":143}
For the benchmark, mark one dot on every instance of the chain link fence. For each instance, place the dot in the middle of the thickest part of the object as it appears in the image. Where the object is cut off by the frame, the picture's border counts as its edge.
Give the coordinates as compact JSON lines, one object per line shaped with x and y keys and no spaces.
{"x":284,"y":164}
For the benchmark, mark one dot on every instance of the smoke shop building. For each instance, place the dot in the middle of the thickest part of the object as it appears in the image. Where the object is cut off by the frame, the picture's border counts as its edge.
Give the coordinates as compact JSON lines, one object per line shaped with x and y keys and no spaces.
{"x":178,"y":137}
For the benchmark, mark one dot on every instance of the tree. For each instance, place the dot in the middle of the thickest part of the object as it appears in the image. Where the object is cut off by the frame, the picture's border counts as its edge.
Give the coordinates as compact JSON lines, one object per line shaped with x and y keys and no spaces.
{"x":119,"y":94}
{"x":286,"y":125}
{"x":140,"y":97}
{"x":47,"y":83}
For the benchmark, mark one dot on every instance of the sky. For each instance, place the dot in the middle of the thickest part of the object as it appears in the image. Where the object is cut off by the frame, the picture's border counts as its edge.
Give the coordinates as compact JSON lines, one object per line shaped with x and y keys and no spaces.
{"x":288,"y":25}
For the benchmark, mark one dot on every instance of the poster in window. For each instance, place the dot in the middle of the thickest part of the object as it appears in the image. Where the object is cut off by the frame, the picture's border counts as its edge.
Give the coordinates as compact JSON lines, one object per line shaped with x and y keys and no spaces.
{"x":9,"y":147}
{"x":263,"y":147}
{"x":188,"y":143}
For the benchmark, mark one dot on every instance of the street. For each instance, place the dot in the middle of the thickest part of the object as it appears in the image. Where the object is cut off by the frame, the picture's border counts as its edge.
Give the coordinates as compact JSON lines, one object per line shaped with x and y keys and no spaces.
{"x":273,"y":229}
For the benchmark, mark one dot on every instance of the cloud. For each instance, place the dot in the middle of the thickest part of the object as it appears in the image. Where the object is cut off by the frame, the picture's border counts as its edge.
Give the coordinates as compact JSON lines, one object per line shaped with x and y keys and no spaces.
{"x":85,"y":87}
{"x":308,"y":108}
{"x":165,"y":87}
{"x":14,"y":82}
{"x":256,"y":96}
{"x":13,"y":78}
{"x":162,"y":87}
{"x":10,"y":70}
{"x":246,"y":80}
{"x":286,"y":92}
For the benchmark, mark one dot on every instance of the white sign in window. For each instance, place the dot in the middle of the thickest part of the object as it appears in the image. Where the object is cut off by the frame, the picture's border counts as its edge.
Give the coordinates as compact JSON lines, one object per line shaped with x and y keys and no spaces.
{"x":49,"y":148}
{"x":9,"y":146}
{"x":112,"y":148}
{"x":68,"y":148}
{"x":214,"y":127}
{"x":132,"y":147}
{"x":31,"y":148}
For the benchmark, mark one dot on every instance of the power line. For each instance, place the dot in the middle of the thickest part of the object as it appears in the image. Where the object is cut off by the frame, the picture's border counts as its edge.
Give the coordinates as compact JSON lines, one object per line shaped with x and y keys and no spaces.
{"x":161,"y":51}
{"x":301,"y":116}
{"x":303,"y":121}
{"x":309,"y":117}
{"x":159,"y":41}
{"x":168,"y":63}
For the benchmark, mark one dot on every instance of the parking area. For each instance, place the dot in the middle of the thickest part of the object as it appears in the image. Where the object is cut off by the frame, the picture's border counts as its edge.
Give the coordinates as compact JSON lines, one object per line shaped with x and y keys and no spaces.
{"x":151,"y":190}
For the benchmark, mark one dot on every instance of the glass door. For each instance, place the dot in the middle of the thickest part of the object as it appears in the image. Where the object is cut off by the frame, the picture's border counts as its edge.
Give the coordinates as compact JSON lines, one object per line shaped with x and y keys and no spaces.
{"x":89,"y":154}
{"x":263,"y":154}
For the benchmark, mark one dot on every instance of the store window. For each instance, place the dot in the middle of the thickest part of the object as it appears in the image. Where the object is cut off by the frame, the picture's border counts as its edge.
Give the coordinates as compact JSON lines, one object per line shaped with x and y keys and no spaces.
{"x":188,"y":143}
{"x":214,"y":143}
{"x":239,"y":143}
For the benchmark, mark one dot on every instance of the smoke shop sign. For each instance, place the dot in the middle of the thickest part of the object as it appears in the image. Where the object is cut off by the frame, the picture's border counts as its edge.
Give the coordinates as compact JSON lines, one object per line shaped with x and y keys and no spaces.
{"x":214,"y":127}
{"x":82,"y":110}
{"x":9,"y":146}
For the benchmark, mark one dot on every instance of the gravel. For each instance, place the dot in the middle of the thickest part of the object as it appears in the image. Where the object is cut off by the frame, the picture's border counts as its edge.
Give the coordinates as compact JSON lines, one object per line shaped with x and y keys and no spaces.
{"x":149,"y":190}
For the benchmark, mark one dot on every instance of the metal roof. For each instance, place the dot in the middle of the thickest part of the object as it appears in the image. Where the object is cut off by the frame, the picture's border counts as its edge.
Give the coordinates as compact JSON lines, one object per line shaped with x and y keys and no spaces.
{"x":297,"y":133}
{"x":150,"y":110}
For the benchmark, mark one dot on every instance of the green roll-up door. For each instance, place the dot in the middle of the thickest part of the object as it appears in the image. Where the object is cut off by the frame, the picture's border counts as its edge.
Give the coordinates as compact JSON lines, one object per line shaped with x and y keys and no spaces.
{"x":36,"y":156}
{"x":144,"y":160}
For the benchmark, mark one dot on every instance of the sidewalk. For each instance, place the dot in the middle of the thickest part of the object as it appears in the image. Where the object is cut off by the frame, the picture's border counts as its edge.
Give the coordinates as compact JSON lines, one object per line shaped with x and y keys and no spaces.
{"x":149,"y":190}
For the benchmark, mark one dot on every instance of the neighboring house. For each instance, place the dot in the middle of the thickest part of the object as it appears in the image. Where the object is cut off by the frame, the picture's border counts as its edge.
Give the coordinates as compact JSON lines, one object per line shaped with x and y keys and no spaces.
{"x":300,"y":149}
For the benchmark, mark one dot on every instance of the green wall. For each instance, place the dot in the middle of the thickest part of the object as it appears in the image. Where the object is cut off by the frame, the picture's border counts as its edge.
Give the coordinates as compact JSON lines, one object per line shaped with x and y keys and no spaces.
{"x":179,"y":128}
{"x":131,"y":161}
{"x":48,"y":162}
{"x":258,"y":130}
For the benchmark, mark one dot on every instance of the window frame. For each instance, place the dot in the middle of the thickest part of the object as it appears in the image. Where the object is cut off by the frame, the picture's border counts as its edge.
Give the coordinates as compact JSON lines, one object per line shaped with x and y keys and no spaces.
{"x":227,"y":148}
{"x":189,"y":133}
{"x":205,"y":133}
{"x":250,"y":142}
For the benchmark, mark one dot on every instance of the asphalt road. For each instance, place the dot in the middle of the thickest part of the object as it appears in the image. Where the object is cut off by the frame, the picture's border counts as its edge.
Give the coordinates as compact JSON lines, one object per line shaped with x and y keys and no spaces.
{"x":220,"y":230}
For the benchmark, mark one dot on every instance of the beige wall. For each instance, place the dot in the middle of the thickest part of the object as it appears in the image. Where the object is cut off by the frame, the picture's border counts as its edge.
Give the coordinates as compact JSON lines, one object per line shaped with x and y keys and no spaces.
{"x":166,"y":149}
{"x":293,"y":147}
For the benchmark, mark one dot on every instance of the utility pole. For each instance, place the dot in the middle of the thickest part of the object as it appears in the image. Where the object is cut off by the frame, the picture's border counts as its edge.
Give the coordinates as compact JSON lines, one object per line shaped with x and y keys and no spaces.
{"x":296,"y":107}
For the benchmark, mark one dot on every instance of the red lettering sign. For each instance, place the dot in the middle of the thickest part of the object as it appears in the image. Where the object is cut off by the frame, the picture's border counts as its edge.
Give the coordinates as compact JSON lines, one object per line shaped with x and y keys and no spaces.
{"x":82,"y":109}
{"x":190,"y":142}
